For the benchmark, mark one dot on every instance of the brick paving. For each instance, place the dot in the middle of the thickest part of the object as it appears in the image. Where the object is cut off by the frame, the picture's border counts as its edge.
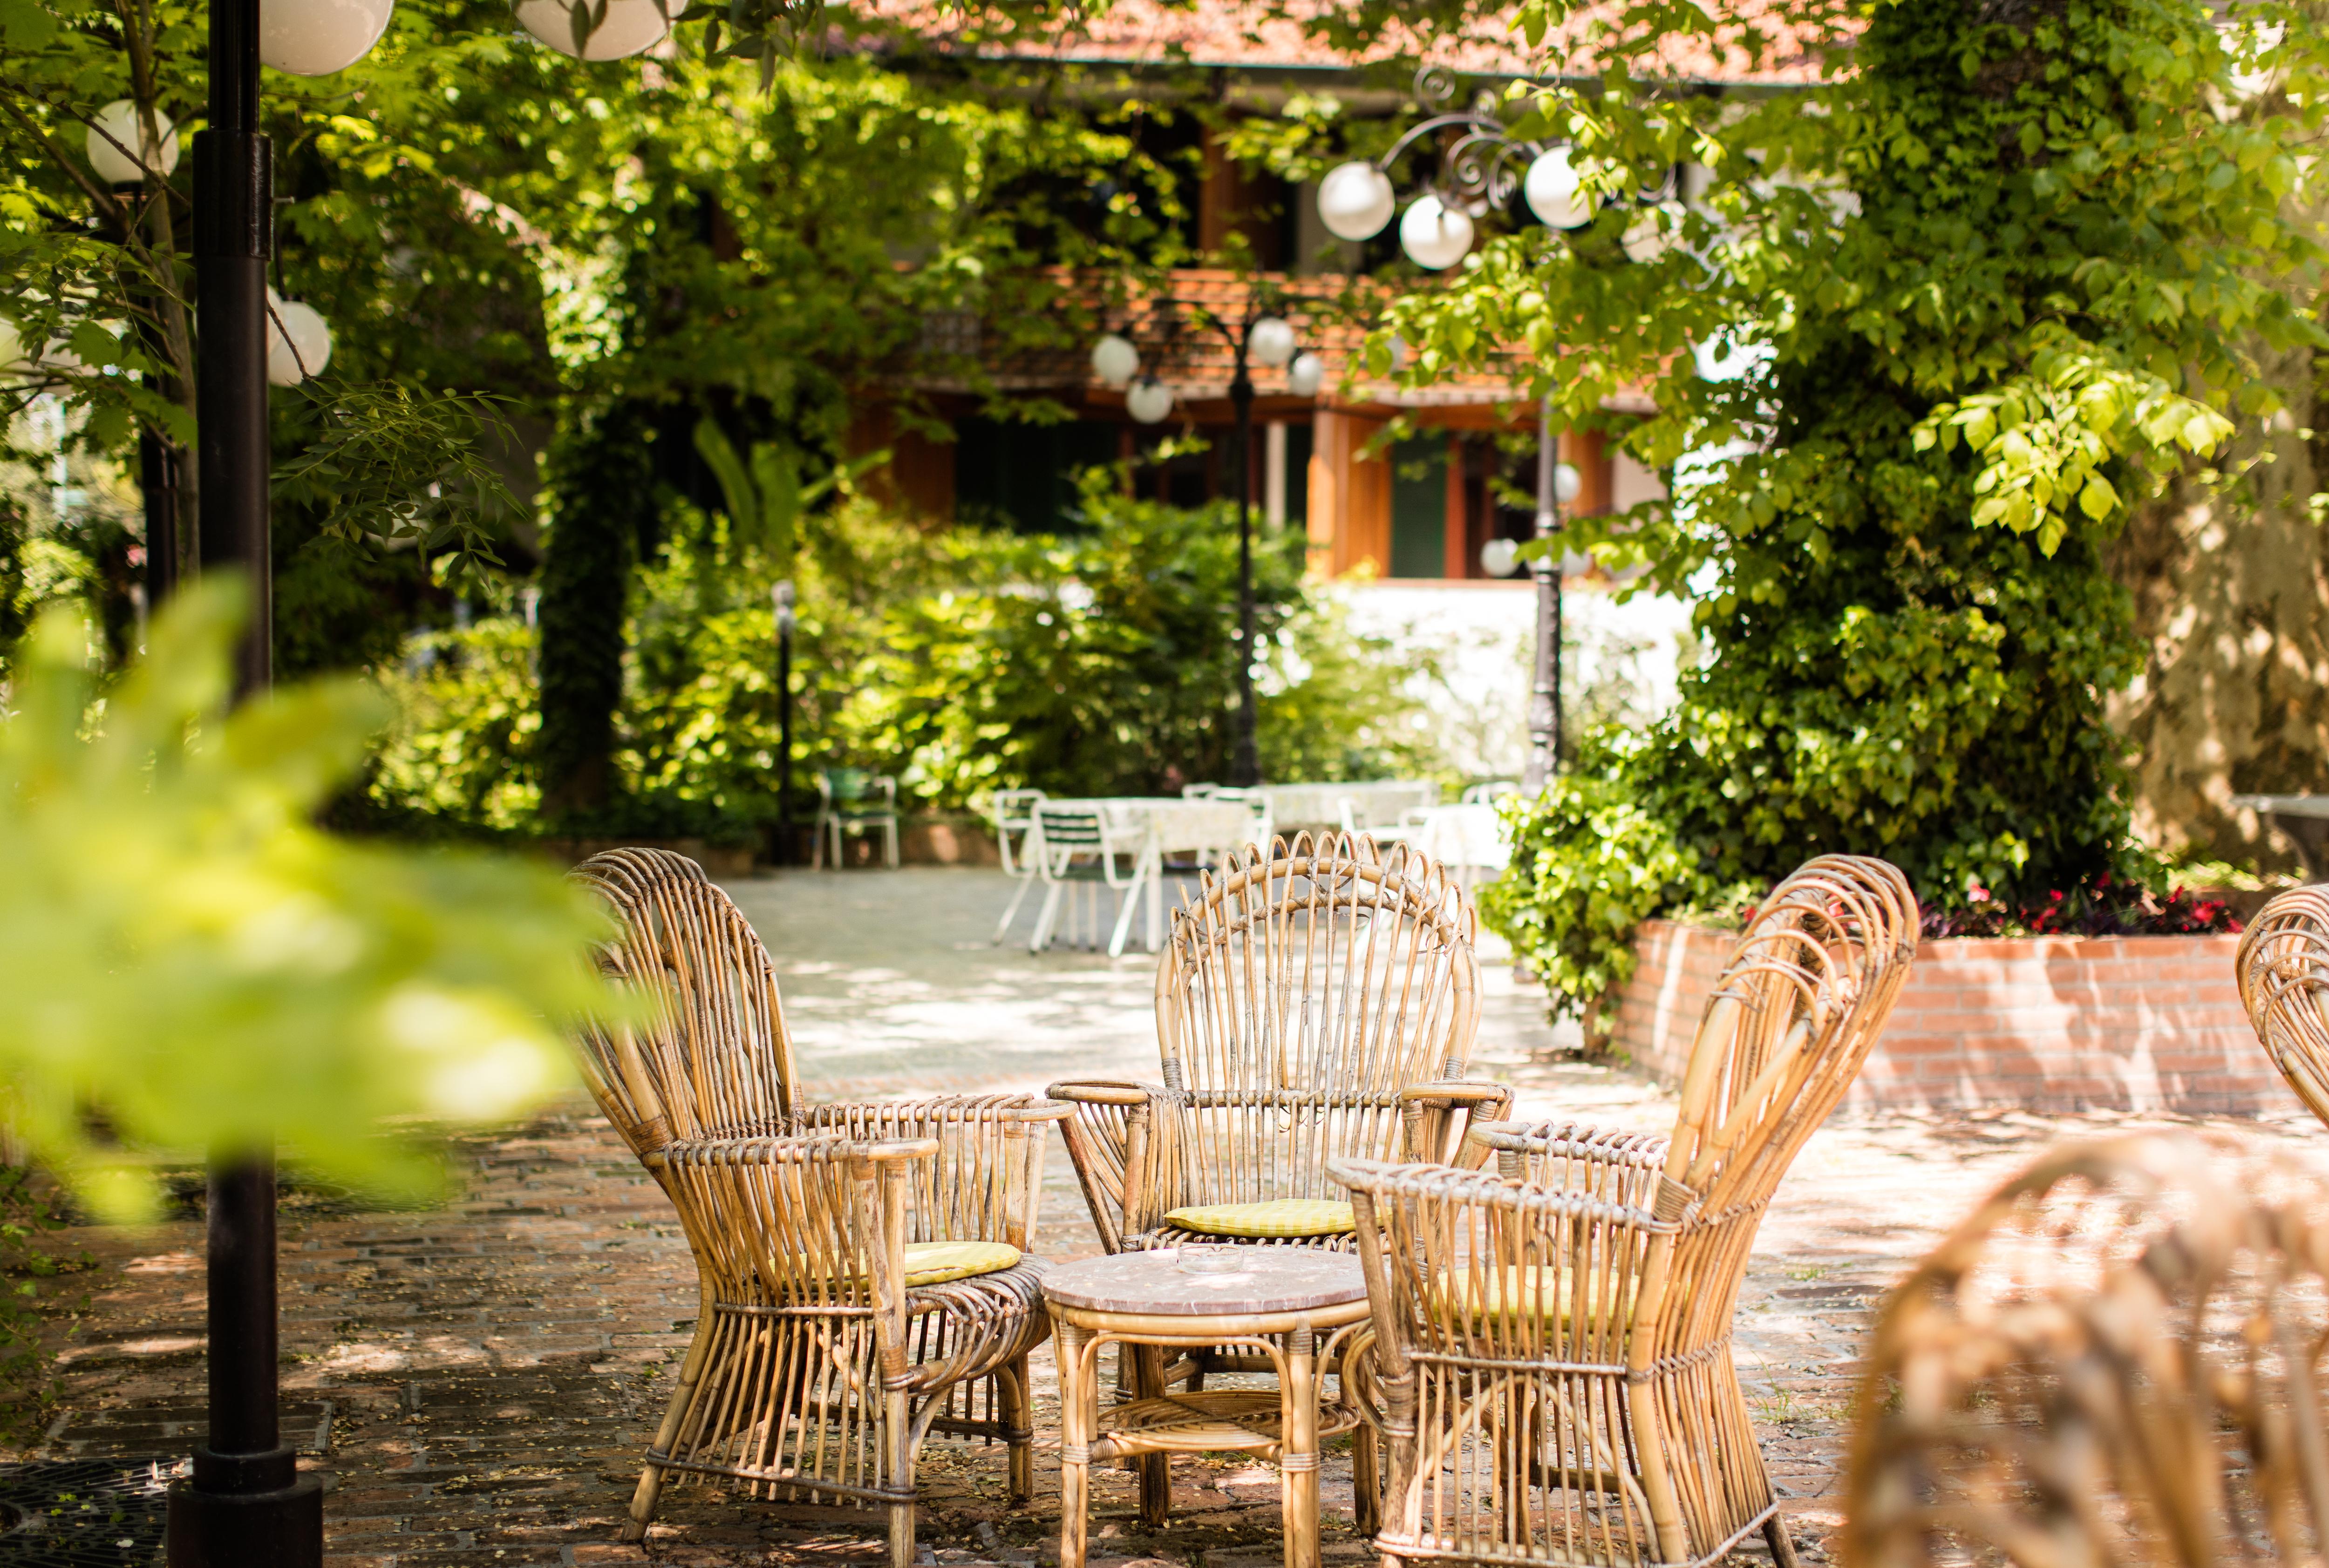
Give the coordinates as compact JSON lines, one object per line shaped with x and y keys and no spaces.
{"x":477,"y":1381}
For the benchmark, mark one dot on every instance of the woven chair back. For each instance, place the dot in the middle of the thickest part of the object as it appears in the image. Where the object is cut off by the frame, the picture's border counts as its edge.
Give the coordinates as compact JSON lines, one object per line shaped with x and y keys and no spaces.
{"x":2284,"y":971}
{"x":1302,"y":990}
{"x":2116,"y":1359}
{"x":1800,"y":1003}
{"x":712,"y":1060}
{"x":1503,"y":1310}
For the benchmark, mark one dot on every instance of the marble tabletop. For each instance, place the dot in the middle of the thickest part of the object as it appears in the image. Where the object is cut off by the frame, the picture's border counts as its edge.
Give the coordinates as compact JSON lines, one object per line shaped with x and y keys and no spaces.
{"x":1153,"y":1283}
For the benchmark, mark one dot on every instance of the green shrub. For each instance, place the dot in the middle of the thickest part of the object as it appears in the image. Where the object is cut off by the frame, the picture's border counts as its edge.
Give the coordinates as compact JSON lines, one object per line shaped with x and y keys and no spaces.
{"x":962,"y":661}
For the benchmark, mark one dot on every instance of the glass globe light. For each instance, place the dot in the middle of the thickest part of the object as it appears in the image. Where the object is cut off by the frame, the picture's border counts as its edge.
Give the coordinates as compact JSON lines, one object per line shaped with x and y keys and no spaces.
{"x":1113,"y":359}
{"x":1270,"y":344}
{"x":299,"y":343}
{"x":629,"y":27}
{"x":1556,"y":192}
{"x":1149,"y":401}
{"x":1306,"y":375}
{"x":319,"y":37}
{"x":1566,"y":483}
{"x":1500,"y":557}
{"x":1355,"y":201}
{"x":1652,"y":235}
{"x":118,"y":121}
{"x":1433,"y":234}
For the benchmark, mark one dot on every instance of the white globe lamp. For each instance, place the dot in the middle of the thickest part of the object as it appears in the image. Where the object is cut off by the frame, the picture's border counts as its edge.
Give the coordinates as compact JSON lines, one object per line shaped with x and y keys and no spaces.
{"x":1500,"y":557}
{"x":1114,"y":361}
{"x":1556,"y":192}
{"x":1435,"y":235}
{"x":1355,"y":201}
{"x":299,"y":343}
{"x":116,"y":129}
{"x":319,"y":37}
{"x":1652,"y":235}
{"x":1306,"y":375}
{"x":629,"y":26}
{"x":1270,"y":344}
{"x":1566,"y":483}
{"x":1149,"y":401}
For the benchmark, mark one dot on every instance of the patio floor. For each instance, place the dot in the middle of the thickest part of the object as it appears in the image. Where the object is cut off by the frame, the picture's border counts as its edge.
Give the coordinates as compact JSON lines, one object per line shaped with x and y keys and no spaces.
{"x":477,"y":1380}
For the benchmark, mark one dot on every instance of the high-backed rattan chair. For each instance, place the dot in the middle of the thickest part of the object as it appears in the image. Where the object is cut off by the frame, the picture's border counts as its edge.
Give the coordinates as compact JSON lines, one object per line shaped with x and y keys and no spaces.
{"x":2284,"y":970}
{"x":1315,"y":1000}
{"x":2116,"y":1360}
{"x":862,"y":1267}
{"x":1552,"y":1338}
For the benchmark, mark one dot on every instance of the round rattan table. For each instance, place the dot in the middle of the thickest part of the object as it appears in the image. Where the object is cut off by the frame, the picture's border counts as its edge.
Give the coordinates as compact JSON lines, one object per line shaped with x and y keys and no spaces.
{"x":1288,"y":1304}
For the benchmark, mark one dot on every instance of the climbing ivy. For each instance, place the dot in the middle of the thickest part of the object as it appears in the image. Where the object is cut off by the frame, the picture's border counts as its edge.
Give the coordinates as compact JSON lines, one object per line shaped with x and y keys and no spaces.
{"x":1922,"y":337}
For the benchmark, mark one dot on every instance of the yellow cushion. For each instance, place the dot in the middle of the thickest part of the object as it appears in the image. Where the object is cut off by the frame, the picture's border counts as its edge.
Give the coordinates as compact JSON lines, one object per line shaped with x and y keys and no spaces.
{"x":1515,"y":1291}
{"x":936,"y":1262}
{"x":1280,"y":1216}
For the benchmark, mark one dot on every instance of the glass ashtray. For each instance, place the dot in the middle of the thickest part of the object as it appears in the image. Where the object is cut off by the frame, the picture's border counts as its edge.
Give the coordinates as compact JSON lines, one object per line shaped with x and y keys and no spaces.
{"x":1206,"y":1259}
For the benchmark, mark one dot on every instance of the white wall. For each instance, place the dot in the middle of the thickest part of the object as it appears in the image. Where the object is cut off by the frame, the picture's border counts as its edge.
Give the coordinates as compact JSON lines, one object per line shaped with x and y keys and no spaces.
{"x":1483,"y":636}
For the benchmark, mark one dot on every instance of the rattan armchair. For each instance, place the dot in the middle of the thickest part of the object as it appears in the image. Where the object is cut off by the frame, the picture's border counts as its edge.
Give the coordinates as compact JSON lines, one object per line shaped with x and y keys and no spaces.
{"x":2116,"y":1360}
{"x":2284,"y":971}
{"x":1319,"y":999}
{"x":1552,"y":1361}
{"x":862,"y":1267}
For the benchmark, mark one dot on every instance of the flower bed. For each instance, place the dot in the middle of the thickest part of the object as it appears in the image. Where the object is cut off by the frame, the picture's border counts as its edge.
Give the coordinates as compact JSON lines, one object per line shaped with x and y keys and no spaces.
{"x":2055,"y":1023}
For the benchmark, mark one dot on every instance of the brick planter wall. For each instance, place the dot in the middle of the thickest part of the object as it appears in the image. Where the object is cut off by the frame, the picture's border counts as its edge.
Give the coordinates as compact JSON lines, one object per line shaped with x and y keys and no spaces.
{"x":2056,"y":1023}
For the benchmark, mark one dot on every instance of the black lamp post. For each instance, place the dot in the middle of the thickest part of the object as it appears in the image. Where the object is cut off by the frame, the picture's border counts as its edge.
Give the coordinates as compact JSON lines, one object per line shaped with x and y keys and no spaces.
{"x":246,"y":1506}
{"x":1478,"y":173}
{"x":1263,"y":337}
{"x":787,"y":845}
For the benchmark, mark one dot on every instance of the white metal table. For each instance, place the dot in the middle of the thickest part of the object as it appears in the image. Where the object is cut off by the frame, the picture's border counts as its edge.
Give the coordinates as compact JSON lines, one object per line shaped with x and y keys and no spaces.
{"x":1321,"y":805}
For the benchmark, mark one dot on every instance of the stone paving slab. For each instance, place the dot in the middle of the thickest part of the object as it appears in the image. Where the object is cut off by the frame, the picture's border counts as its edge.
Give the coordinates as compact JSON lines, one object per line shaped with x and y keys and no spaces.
{"x":477,"y":1381}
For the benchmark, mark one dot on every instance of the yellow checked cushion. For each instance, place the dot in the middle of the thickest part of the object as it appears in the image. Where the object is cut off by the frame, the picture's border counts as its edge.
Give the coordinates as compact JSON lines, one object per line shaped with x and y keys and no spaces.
{"x":1514,"y":1290}
{"x":1280,"y":1216}
{"x":936,"y":1262}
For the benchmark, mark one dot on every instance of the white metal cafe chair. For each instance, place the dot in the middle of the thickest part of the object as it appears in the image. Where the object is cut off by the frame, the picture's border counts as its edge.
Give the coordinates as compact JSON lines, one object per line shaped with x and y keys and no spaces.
{"x":1013,"y":811}
{"x":1077,"y":847}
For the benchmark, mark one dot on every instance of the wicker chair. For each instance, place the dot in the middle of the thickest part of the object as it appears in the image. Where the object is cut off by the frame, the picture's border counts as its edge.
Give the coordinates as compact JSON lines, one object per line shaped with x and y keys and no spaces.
{"x":2284,"y":970}
{"x":862,"y":1267}
{"x":1316,"y":1001}
{"x":2116,"y":1360}
{"x":1552,"y":1362}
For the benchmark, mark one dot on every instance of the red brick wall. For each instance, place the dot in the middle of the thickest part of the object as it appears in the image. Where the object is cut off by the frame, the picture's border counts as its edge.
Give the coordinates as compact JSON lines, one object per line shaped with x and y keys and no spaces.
{"x":2136,"y":1023}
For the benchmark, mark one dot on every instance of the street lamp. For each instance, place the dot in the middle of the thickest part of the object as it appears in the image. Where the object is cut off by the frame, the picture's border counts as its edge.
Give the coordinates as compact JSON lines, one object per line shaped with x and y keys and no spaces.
{"x":783,"y":594}
{"x":246,"y":1505}
{"x":1259,"y":338}
{"x":1476,"y":175}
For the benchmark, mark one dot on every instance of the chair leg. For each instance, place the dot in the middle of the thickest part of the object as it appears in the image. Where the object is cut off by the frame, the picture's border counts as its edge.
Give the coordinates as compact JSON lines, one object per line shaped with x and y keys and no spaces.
{"x":1782,"y":1550}
{"x":1003,"y":928}
{"x":1366,"y":1481}
{"x":902,"y":1475}
{"x":667,"y":1434}
{"x":1045,"y":918}
{"x":1019,"y":1415}
{"x":816,"y":847}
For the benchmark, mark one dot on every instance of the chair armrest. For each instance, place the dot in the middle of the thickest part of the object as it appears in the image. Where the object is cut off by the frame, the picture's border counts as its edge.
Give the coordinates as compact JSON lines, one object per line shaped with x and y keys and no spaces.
{"x":987,"y":1175}
{"x":1437,"y":1116}
{"x":1123,"y":1138}
{"x":1597,"y":1162}
{"x":802,"y":1220}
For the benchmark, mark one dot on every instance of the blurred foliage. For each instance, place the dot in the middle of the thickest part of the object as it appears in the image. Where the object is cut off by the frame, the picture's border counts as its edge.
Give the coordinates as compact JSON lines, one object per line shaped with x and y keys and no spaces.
{"x":186,"y":964}
{"x":962,"y":661}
